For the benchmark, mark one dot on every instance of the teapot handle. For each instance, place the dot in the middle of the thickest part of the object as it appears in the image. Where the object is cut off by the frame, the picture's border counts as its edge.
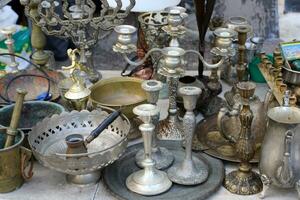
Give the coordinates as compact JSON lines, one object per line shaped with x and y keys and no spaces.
{"x":222,"y":113}
{"x":284,"y":171}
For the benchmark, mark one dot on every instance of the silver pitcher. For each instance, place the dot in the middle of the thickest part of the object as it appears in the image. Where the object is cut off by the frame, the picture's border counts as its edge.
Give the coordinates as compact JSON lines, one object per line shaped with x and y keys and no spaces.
{"x":280,"y":154}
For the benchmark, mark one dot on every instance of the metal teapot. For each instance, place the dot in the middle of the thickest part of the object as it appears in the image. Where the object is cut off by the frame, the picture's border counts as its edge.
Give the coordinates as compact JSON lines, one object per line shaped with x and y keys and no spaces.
{"x":280,"y":156}
{"x":229,"y":123}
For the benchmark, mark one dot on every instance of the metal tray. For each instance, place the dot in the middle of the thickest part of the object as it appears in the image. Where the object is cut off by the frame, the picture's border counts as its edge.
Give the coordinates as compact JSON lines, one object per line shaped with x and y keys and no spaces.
{"x":208,"y":139}
{"x":115,"y":176}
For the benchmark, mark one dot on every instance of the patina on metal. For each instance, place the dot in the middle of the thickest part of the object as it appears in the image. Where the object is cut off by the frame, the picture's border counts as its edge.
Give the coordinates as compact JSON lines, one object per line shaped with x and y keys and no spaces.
{"x":14,"y":160}
{"x":244,"y":181}
{"x":279,"y":163}
{"x":189,"y":171}
{"x":78,"y":94}
{"x":208,"y":139}
{"x":162,"y":157}
{"x":15,"y":118}
{"x":148,"y":181}
{"x":115,"y":176}
{"x":47,"y":141}
{"x":125,"y":92}
{"x":78,"y":22}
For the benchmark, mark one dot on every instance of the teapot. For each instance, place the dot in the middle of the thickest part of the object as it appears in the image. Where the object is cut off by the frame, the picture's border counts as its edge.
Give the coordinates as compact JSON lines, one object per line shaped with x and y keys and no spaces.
{"x":280,"y":154}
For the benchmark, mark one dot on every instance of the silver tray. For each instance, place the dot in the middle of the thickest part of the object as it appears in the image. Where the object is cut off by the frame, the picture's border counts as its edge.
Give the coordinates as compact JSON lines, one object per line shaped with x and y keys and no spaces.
{"x":115,"y":175}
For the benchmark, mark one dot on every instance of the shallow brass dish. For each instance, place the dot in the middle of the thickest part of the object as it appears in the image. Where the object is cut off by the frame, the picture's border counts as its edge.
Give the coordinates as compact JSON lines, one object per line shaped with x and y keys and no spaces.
{"x":119,"y":92}
{"x":209,"y":140}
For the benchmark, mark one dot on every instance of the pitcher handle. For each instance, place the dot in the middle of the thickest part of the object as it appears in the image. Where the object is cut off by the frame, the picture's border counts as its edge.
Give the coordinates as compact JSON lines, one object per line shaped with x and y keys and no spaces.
{"x":26,"y":156}
{"x":284,"y":171}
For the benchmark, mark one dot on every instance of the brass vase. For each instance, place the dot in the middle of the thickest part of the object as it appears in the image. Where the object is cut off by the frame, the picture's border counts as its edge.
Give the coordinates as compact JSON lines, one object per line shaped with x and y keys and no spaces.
{"x":244,"y":181}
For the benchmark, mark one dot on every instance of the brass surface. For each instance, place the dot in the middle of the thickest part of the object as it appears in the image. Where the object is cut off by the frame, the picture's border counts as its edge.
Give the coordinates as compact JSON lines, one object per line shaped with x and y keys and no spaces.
{"x":13,"y":159}
{"x":209,"y":139}
{"x":244,"y":181}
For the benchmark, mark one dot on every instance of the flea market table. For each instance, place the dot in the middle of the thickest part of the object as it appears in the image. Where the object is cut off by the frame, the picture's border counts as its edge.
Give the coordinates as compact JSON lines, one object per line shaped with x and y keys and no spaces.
{"x":47,"y":184}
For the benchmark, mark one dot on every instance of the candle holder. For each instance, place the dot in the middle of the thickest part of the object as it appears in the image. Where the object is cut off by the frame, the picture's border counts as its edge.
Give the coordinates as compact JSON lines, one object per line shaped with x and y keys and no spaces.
{"x":8,"y":32}
{"x":172,"y":63}
{"x":148,"y":181}
{"x":244,"y":181}
{"x":79,"y":22}
{"x":189,"y":171}
{"x":162,"y":157}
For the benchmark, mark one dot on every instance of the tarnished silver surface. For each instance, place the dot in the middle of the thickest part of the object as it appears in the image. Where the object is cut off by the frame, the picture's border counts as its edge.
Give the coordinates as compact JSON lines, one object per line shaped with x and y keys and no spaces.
{"x":47,"y":141}
{"x":189,"y":171}
{"x":279,"y":163}
{"x":162,"y":157}
{"x":148,"y":181}
{"x":115,"y":175}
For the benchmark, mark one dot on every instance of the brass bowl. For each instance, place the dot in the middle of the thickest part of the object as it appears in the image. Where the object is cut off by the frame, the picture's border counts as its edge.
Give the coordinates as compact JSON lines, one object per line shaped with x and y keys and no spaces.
{"x":125,"y":92}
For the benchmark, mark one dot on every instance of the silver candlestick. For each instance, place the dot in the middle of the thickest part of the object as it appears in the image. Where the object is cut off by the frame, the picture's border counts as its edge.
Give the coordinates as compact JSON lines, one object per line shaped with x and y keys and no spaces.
{"x":148,"y":181}
{"x":12,"y":67}
{"x":190,"y":171}
{"x":162,"y":156}
{"x":171,"y":66}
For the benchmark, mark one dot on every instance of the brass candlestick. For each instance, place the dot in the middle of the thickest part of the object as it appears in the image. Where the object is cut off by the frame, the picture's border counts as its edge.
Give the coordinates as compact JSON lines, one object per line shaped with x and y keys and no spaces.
{"x":38,"y":39}
{"x":162,"y":156}
{"x":244,"y":181}
{"x":242,"y":37}
{"x":149,"y":181}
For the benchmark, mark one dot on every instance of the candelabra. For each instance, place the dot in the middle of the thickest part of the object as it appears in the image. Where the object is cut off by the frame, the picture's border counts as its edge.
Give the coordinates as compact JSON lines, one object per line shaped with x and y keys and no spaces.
{"x":79,"y":22}
{"x":172,"y":64}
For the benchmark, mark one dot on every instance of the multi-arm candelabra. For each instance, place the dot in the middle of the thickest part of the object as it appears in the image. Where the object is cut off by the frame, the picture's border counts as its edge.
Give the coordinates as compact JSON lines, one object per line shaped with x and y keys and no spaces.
{"x":172,"y":67}
{"x":79,"y":22}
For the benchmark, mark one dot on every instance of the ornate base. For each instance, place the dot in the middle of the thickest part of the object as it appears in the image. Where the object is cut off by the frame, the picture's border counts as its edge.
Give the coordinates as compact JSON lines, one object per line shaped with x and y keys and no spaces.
{"x":242,"y":183}
{"x":189,"y":173}
{"x":163,"y":157}
{"x":152,"y":183}
{"x":169,"y":129}
{"x":85,"y":179}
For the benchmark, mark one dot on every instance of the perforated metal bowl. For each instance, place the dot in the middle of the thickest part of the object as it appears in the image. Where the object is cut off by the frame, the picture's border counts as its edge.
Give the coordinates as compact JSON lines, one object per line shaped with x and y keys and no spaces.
{"x":47,"y":140}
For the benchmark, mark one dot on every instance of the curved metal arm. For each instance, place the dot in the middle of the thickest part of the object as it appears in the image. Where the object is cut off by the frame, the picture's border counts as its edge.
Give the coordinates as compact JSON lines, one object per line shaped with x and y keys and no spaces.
{"x":140,"y":62}
{"x":211,"y":66}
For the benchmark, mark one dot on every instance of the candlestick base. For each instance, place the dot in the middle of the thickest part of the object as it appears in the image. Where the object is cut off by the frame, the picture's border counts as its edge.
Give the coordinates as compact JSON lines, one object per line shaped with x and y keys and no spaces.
{"x":189,"y":172}
{"x":243,"y":183}
{"x":169,"y":129}
{"x":148,"y":182}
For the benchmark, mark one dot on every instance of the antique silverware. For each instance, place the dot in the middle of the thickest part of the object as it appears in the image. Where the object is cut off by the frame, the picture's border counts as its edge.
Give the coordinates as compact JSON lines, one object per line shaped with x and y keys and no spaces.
{"x":15,"y":118}
{"x":244,"y":181}
{"x":172,"y":64}
{"x":148,"y":181}
{"x":125,"y":92}
{"x":47,"y":141}
{"x":190,"y":171}
{"x":161,"y":155}
{"x":279,"y":164}
{"x":115,"y":175}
